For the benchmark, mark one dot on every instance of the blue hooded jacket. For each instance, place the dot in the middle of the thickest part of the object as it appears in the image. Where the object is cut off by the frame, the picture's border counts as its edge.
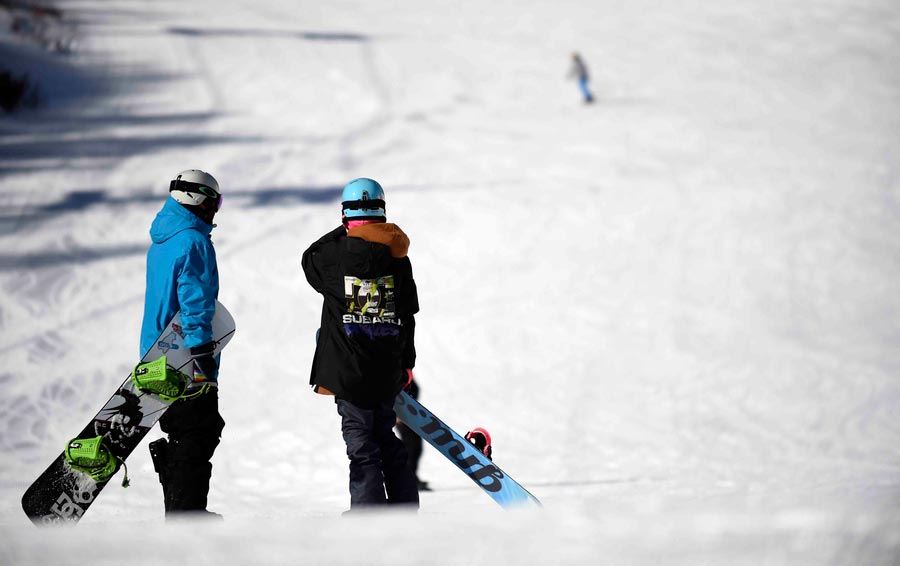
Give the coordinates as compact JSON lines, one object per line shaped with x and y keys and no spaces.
{"x":181,"y":275}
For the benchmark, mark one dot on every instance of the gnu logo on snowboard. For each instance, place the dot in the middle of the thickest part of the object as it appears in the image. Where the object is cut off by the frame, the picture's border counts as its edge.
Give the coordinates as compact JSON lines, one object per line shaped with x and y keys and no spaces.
{"x":168,"y":343}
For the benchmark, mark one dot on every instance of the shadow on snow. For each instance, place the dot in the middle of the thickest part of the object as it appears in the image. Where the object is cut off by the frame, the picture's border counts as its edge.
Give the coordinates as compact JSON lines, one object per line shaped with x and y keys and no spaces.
{"x":55,"y":258}
{"x":304,"y":35}
{"x":82,"y":201}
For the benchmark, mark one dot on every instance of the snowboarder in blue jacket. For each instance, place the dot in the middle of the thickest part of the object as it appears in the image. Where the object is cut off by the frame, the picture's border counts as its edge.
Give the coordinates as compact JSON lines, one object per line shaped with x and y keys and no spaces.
{"x":182,"y":275}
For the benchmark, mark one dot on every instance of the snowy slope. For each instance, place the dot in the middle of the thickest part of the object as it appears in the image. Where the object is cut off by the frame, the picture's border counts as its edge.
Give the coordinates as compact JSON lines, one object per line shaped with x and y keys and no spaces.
{"x":676,"y":310}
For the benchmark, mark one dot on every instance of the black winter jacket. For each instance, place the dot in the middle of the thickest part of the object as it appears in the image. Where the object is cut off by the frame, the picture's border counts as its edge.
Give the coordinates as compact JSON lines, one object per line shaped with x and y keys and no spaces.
{"x":366,"y":338}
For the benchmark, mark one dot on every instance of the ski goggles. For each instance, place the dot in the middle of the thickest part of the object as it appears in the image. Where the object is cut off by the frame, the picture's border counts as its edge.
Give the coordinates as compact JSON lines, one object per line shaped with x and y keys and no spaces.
{"x":188,"y":187}
{"x":373,"y":204}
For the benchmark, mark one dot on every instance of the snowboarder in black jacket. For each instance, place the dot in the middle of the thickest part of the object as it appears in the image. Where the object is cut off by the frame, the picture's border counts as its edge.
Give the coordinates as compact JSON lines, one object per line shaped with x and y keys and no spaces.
{"x":365,"y":349}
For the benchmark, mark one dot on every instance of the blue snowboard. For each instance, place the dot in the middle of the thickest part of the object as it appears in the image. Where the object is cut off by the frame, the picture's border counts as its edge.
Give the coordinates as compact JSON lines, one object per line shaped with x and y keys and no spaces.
{"x":494,"y":481}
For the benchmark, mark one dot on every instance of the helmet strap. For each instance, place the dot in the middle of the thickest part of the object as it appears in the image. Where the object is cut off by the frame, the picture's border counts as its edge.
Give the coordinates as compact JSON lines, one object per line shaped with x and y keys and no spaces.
{"x":363,"y":204}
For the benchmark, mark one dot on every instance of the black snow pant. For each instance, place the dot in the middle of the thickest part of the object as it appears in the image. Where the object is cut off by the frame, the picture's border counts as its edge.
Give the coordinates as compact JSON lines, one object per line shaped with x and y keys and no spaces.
{"x":379,"y":473}
{"x":411,"y":440}
{"x":194,"y":427}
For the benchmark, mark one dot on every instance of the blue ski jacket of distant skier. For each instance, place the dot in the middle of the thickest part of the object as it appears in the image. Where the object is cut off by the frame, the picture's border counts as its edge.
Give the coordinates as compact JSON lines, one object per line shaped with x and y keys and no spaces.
{"x":181,"y":275}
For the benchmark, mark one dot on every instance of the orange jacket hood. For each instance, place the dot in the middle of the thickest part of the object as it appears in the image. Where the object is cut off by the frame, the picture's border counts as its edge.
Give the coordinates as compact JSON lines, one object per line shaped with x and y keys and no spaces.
{"x":383,"y":233}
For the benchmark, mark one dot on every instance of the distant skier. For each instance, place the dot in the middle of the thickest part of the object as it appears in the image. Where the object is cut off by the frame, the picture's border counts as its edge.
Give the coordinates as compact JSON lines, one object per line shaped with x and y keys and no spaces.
{"x":579,"y":70}
{"x":182,"y":274}
{"x":365,"y":349}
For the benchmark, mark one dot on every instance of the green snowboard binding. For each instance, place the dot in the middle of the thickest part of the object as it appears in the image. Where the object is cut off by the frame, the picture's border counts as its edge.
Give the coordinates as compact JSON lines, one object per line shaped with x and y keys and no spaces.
{"x":160,"y":379}
{"x":92,"y":457}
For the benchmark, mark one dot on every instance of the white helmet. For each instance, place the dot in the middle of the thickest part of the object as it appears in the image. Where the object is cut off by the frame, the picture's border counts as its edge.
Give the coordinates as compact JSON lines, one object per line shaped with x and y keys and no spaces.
{"x":194,"y":187}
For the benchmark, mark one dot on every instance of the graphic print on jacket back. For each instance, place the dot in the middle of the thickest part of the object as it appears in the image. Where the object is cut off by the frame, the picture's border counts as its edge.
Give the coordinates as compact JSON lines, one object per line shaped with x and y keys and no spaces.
{"x":371,"y":309}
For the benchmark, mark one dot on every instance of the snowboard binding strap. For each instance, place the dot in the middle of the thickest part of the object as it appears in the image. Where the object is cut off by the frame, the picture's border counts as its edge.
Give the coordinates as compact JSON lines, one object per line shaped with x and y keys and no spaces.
{"x":159,"y":378}
{"x":91,"y":456}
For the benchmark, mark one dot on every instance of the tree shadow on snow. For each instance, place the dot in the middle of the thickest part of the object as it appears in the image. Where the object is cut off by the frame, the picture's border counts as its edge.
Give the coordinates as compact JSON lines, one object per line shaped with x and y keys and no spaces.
{"x":304,"y":35}
{"x":106,"y":147}
{"x":84,"y":200}
{"x":55,"y":258}
{"x":55,"y":137}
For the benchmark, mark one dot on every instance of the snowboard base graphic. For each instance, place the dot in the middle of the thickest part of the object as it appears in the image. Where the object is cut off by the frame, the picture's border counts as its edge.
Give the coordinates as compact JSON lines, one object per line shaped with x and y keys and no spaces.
{"x":63,"y":493}
{"x":506,"y":491}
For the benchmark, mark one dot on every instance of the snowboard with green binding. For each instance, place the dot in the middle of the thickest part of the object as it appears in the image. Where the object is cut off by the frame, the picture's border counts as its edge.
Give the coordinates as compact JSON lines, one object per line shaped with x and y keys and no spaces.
{"x":74,"y":480}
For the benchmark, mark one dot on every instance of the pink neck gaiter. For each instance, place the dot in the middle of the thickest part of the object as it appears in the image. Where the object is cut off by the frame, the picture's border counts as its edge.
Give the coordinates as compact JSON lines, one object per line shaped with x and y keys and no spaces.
{"x":351,"y":224}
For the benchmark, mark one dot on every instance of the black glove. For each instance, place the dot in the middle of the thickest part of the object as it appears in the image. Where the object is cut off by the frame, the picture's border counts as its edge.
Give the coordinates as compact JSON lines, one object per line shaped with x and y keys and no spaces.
{"x":205,"y":366}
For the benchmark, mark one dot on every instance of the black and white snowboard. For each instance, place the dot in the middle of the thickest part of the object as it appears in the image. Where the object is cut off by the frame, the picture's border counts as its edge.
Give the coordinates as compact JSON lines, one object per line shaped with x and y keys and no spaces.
{"x":64,"y":493}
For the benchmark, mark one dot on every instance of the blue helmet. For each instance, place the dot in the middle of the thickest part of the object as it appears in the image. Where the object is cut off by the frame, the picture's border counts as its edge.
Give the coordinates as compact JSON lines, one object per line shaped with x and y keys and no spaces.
{"x":363,"y":199}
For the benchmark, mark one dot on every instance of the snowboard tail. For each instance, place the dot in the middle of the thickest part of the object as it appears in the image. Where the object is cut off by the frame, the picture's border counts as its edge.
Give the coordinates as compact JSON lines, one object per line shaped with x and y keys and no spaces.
{"x":491,"y":479}
{"x":64,"y":492}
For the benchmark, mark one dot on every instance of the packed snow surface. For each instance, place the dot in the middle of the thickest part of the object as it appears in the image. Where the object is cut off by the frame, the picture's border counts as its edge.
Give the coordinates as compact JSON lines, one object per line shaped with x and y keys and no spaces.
{"x":676,"y":309}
